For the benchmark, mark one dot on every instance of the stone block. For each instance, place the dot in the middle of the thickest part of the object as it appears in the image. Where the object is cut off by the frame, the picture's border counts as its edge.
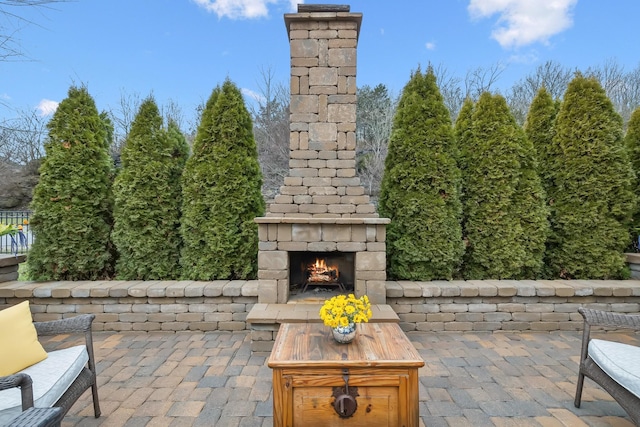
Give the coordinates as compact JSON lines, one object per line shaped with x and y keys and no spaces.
{"x":317,"y":164}
{"x":327,"y":172}
{"x":341,"y":164}
{"x":341,"y":112}
{"x":323,"y":132}
{"x":320,"y":76}
{"x":322,"y":246}
{"x":346,"y":154}
{"x":306,"y":233}
{"x":304,"y":104}
{"x":346,"y":173}
{"x":342,"y":42}
{"x":323,"y":90}
{"x":299,"y":34}
{"x":303,"y":85}
{"x":342,"y":57}
{"x":273,"y":260}
{"x":342,"y":209}
{"x":328,"y":155}
{"x":298,"y":127}
{"x":323,"y":146}
{"x":316,"y":182}
{"x":302,"y":199}
{"x":348,"y":33}
{"x":304,"y":154}
{"x":303,"y":173}
{"x":300,"y":71}
{"x":326,"y":200}
{"x":371,"y":261}
{"x":267,"y":246}
{"x":313,"y":208}
{"x":268,"y":292}
{"x":323,"y":34}
{"x":292,"y":246}
{"x":353,"y":247}
{"x":296,"y":163}
{"x":284,"y":199}
{"x":322,"y":191}
{"x":293,"y":190}
{"x":304,"y":47}
{"x":278,"y":208}
{"x":342,"y":99}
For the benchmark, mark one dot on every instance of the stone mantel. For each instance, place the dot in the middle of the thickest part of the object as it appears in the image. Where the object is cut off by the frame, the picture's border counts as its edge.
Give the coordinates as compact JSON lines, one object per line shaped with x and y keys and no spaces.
{"x":316,"y":220}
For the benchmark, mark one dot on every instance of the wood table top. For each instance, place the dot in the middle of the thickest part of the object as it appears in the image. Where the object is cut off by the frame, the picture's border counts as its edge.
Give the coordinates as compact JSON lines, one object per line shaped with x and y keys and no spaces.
{"x":312,"y":345}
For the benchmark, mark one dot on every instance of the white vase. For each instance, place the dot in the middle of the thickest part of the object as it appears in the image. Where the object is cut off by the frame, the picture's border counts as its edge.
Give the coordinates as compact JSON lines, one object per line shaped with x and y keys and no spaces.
{"x":344,"y":334}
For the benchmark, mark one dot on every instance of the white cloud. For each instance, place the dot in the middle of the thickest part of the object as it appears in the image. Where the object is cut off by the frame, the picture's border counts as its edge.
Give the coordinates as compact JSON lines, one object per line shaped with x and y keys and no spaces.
{"x":523,"y":22}
{"x":243,"y":9}
{"x":430,"y":45}
{"x":254,"y":96}
{"x":46,"y":107}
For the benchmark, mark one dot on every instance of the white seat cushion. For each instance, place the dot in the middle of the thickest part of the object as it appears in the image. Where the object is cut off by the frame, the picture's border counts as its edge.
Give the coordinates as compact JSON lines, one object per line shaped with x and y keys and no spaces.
{"x":51,"y":378}
{"x":620,"y":361}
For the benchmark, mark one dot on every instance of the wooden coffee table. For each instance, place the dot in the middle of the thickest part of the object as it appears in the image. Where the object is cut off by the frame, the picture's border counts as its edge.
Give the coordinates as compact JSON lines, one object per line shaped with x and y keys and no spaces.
{"x":310,"y":372}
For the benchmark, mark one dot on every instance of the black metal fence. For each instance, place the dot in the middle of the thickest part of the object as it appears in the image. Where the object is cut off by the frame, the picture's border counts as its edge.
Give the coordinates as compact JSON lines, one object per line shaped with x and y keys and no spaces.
{"x":20,"y":219}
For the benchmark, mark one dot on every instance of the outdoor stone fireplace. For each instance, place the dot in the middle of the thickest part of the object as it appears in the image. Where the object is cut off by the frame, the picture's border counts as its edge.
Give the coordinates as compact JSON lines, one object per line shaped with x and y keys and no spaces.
{"x":322,"y":208}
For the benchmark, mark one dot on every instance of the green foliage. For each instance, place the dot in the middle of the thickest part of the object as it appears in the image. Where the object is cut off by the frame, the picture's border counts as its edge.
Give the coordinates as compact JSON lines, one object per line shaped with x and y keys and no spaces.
{"x":539,"y":128}
{"x":148,"y":199}
{"x":420,"y":186}
{"x":505,"y":217}
{"x":593,"y":197}
{"x":632,"y":142}
{"x":72,"y":202}
{"x":221,"y":190}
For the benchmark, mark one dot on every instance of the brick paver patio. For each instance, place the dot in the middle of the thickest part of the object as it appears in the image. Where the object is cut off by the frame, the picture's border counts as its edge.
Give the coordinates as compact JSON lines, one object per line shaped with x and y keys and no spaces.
{"x":470,"y":379}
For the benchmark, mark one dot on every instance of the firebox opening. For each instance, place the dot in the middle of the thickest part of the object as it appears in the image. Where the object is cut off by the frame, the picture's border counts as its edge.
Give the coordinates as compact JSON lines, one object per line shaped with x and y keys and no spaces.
{"x":315,"y":272}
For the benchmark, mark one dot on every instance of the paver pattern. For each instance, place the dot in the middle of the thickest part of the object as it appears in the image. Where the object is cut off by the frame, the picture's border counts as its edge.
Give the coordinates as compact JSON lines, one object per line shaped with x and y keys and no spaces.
{"x":469,"y":379}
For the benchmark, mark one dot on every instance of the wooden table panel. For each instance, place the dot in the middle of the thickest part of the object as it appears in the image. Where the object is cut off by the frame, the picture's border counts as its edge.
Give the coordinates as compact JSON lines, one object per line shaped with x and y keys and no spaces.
{"x":381,"y":362}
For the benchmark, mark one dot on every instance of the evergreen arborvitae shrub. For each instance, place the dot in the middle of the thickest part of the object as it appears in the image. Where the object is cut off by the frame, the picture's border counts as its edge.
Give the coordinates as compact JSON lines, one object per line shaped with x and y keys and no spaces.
{"x":420,"y":186}
{"x":221,"y":190}
{"x":464,"y":134}
{"x":505,"y":216}
{"x":539,"y":127}
{"x":593,"y":198}
{"x":632,"y":142}
{"x":148,"y":199}
{"x":72,"y":202}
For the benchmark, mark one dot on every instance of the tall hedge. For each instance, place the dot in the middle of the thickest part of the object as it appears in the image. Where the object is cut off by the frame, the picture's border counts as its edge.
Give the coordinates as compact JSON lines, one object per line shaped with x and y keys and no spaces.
{"x":420,"y":186}
{"x":539,"y":128}
{"x":72,"y":201}
{"x":221,"y":190}
{"x":148,"y":199}
{"x":593,"y":194}
{"x":632,"y":142}
{"x":505,"y":216}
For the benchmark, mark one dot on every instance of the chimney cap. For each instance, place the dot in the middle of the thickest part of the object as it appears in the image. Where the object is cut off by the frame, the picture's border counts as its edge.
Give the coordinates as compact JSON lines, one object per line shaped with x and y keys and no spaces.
{"x":310,"y":8}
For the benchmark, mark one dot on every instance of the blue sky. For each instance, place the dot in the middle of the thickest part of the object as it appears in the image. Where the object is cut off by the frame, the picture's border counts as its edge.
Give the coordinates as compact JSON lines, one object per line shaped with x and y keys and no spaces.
{"x":181,"y":49}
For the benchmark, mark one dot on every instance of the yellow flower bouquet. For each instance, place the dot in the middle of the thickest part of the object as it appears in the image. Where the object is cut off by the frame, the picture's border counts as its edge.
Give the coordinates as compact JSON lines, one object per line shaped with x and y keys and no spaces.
{"x":344,"y":310}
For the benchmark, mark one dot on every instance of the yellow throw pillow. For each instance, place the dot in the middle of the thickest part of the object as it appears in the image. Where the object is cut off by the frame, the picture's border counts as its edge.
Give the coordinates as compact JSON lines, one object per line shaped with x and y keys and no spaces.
{"x":19,"y":345}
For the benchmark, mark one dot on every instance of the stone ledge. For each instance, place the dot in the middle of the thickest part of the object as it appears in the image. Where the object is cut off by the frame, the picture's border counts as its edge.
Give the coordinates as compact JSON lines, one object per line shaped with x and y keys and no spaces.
{"x":321,"y":220}
{"x":137,"y":289}
{"x":302,"y":312}
{"x":508,"y":288}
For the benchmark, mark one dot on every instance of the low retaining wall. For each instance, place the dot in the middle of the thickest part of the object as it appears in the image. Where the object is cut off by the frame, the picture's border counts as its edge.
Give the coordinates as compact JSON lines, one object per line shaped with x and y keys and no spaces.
{"x":425,"y":306}
{"x":490,"y":305}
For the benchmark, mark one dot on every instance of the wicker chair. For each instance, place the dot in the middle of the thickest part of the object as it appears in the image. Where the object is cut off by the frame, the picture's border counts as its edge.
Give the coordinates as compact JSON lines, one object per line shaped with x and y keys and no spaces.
{"x":588,"y":367}
{"x":87,"y":377}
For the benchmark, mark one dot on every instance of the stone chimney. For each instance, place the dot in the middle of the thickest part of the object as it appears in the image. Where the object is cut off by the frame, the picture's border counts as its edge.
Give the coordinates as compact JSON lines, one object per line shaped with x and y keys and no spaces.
{"x":322,"y":208}
{"x":322,"y":179}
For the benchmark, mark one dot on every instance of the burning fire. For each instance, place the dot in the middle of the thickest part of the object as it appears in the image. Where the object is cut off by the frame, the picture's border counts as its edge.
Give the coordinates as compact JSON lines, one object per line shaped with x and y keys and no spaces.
{"x":319,"y":271}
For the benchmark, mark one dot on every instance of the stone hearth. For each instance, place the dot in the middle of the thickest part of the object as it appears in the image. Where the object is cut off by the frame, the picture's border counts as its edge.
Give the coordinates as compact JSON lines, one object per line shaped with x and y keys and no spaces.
{"x":322,"y":206}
